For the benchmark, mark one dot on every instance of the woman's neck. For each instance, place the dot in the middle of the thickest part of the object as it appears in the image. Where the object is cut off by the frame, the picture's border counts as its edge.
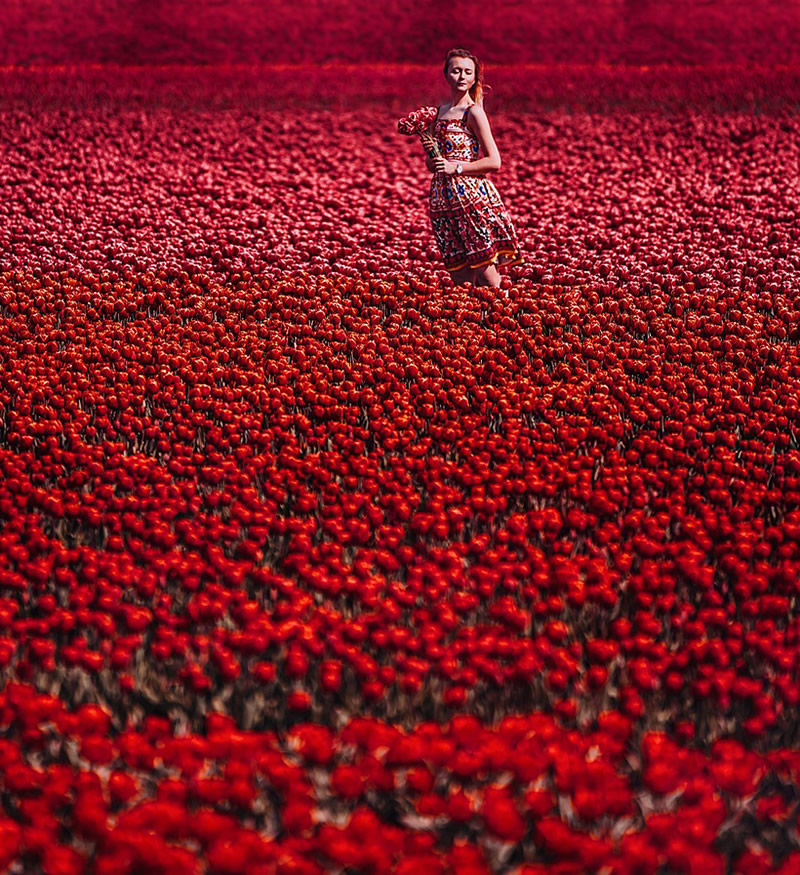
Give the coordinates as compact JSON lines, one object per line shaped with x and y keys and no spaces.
{"x":461,"y":105}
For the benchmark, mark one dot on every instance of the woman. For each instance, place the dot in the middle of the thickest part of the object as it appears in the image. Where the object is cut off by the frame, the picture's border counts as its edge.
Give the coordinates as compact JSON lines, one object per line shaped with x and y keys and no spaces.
{"x":472,"y":228}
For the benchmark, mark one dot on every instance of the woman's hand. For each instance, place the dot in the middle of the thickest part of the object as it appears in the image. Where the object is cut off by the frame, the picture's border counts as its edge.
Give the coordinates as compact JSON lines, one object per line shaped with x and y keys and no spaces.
{"x":442,"y":165}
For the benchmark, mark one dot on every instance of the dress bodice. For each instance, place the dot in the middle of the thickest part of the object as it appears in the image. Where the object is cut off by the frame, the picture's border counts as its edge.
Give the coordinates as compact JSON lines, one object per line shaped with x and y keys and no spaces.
{"x":456,"y":140}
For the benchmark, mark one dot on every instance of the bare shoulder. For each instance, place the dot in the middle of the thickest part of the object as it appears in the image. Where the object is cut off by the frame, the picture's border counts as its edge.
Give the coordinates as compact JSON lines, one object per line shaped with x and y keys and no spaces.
{"x":477,"y":112}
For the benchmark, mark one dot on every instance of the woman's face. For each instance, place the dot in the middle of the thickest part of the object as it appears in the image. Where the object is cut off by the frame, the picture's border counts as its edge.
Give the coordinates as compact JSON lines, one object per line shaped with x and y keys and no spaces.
{"x":461,"y":74}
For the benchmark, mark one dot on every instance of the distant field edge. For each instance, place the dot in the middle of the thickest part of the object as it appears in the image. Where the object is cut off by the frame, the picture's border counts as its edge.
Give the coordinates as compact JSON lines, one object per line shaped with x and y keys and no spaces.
{"x":347,"y":66}
{"x":729,"y":87}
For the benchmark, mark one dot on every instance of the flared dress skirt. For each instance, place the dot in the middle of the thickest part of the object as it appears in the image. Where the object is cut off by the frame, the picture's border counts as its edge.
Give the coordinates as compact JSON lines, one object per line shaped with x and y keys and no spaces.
{"x":470,"y":223}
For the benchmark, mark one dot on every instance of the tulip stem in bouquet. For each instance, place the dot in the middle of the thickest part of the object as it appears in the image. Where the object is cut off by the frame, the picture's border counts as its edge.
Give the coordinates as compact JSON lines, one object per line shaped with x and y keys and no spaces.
{"x":431,"y":146}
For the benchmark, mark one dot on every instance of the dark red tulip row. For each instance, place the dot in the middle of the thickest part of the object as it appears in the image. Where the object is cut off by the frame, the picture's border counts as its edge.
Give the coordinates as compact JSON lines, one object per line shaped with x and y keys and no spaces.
{"x":311,"y":561}
{"x":394,"y":88}
{"x":181,"y":32}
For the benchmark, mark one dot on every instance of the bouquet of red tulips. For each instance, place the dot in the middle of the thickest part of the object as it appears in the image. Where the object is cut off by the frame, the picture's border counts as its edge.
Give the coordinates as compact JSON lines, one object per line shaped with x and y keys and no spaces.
{"x":416,"y":122}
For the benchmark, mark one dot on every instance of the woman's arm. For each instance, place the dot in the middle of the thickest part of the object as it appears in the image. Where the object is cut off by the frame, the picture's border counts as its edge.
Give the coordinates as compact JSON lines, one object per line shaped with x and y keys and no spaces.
{"x":468,"y":168}
{"x":478,"y":123}
{"x":479,"y":167}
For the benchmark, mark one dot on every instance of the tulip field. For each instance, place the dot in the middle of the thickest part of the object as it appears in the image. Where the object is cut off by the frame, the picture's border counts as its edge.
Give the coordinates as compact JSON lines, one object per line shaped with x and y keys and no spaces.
{"x":311,"y":561}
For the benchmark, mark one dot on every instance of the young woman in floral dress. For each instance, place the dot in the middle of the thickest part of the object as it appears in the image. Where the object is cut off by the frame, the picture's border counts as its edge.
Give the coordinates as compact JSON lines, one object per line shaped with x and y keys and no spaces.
{"x":472,"y":228}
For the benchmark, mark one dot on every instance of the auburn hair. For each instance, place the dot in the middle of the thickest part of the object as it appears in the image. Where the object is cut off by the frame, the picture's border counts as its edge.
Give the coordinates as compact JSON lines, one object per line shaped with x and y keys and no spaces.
{"x":479,"y":88}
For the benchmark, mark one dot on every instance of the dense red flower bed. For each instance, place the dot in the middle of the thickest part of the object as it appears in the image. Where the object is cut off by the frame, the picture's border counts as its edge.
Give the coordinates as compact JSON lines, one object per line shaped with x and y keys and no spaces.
{"x":312,"y":562}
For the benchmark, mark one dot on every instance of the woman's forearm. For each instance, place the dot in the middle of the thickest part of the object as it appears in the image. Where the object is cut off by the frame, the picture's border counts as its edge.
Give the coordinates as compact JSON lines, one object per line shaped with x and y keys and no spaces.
{"x":482,"y":165}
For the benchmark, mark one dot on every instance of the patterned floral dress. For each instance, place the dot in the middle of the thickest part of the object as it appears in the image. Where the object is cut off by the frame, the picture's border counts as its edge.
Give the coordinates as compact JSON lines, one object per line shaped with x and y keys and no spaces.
{"x":470,"y":223}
